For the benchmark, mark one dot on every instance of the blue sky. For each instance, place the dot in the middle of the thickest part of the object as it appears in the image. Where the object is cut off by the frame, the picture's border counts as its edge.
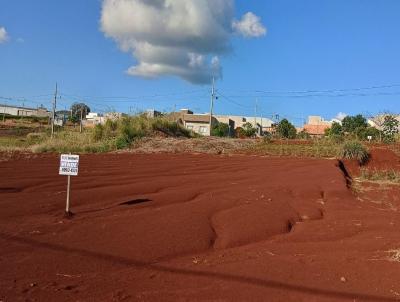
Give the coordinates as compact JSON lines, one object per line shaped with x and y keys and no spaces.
{"x":336,"y":48}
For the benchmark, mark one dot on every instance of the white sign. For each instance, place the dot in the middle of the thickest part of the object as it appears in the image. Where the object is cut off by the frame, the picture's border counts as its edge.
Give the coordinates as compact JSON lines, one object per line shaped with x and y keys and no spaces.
{"x":69,"y":164}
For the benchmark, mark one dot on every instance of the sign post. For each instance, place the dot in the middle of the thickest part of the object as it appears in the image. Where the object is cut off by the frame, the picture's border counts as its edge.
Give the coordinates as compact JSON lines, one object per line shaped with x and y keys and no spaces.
{"x":69,"y":166}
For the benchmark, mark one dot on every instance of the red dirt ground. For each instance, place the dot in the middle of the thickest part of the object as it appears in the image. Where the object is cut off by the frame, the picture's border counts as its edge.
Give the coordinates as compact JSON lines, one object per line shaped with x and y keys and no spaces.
{"x":193,"y":228}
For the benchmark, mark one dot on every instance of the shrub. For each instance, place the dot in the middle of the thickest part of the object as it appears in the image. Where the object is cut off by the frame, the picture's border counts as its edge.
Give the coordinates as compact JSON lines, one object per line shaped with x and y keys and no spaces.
{"x":35,"y":138}
{"x":98,"y":132}
{"x":221,"y":130}
{"x":267,"y":139}
{"x":303,"y":134}
{"x":249,"y":130}
{"x":354,"y":150}
{"x":122,"y":142}
{"x":170,"y":128}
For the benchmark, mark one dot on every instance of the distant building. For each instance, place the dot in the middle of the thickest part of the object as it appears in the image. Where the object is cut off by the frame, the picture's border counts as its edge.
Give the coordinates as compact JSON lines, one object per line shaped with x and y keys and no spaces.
{"x":261,"y":124}
{"x":24,"y":111}
{"x":316,"y":126}
{"x":151,"y":113}
{"x":200,"y":123}
{"x":92,"y":119}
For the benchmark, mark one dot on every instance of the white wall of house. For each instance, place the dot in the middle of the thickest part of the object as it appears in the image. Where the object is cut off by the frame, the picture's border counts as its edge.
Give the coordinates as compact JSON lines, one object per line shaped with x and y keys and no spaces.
{"x":200,"y":128}
{"x":22,"y":111}
{"x":241,"y":120}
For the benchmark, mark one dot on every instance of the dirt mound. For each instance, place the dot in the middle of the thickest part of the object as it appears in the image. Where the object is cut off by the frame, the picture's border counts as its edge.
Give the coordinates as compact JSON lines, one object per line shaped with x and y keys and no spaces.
{"x":252,"y":223}
{"x":380,"y":159}
{"x":383,"y":159}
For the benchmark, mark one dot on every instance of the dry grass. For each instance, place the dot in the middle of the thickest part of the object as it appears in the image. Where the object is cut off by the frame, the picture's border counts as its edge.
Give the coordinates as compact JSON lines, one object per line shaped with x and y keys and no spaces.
{"x":381,"y":176}
{"x":211,"y":145}
{"x":73,"y":142}
{"x":316,"y":148}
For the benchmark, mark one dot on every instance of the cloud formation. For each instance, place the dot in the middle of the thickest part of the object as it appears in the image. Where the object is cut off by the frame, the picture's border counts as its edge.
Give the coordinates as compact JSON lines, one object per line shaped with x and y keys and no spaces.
{"x":249,"y":26}
{"x":3,"y":35}
{"x":340,"y":116}
{"x":183,"y":38}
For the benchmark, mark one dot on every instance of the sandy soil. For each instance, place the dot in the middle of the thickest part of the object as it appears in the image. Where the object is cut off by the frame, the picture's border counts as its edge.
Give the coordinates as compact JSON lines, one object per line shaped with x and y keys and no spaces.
{"x":183,"y":227}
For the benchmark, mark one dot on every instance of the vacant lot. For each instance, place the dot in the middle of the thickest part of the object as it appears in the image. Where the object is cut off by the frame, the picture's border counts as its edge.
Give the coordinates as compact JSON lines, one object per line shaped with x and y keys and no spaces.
{"x":183,"y":227}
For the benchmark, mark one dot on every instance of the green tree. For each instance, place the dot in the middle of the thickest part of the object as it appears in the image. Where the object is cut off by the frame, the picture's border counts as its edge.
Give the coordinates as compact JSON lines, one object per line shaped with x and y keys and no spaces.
{"x":353,"y":124}
{"x":76,"y":110}
{"x":336,"y":129}
{"x":221,"y":130}
{"x":303,"y":134}
{"x":363,"y":133}
{"x":249,"y":130}
{"x":390,"y":128}
{"x":285,"y":129}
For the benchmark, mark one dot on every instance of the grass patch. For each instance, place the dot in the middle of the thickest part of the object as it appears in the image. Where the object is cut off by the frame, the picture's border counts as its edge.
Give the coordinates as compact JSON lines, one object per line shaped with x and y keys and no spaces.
{"x":9,"y":143}
{"x":317,"y":148}
{"x":380,"y":175}
{"x":69,"y":141}
{"x":354,"y":150}
{"x":113,"y":135}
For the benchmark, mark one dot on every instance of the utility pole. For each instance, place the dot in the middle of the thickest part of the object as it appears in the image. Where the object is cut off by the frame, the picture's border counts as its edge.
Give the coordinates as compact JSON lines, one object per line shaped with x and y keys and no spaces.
{"x":54,"y":112}
{"x":255,"y":114}
{"x":212,"y":103}
{"x":4,"y":113}
{"x":80,"y":124}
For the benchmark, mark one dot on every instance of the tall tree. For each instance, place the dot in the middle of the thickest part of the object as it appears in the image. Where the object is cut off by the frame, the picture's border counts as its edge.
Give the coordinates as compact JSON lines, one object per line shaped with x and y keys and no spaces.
{"x":78,"y":109}
{"x":352,"y":124}
{"x":390,"y":127}
{"x":285,"y":129}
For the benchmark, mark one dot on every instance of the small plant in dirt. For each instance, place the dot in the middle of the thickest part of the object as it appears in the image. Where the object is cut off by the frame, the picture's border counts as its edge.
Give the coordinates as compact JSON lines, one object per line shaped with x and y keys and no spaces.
{"x":354,"y":150}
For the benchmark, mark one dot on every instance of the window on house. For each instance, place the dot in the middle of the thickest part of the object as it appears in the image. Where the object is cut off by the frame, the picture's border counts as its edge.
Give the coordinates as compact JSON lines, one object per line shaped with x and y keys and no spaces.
{"x":203,"y":129}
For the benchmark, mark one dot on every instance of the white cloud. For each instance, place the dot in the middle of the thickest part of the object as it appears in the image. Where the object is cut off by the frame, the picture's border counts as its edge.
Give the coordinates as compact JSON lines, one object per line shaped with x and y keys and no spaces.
{"x":249,"y":26}
{"x":340,"y":116}
{"x":183,"y":38}
{"x":3,"y":35}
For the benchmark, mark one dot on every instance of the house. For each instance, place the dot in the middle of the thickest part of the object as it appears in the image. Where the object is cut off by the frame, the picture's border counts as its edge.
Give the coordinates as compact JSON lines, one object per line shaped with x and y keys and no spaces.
{"x":198,"y":123}
{"x":316,"y":126}
{"x":24,"y":111}
{"x":261,"y":124}
{"x":151,"y":113}
{"x":92,"y":119}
